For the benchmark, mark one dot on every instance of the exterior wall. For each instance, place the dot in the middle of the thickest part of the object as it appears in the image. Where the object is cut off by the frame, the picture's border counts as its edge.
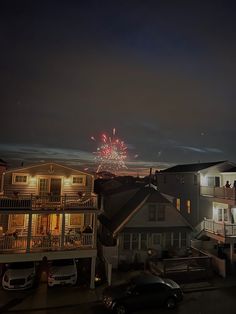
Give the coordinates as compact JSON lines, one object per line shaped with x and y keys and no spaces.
{"x":47,"y":171}
{"x":175,"y":246}
{"x":182,"y":186}
{"x":172,"y":217}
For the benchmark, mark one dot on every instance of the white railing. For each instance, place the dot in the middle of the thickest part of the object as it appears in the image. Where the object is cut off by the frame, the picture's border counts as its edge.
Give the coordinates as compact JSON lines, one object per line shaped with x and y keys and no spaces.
{"x":219,"y":192}
{"x":46,"y":243}
{"x":220,"y":228}
{"x":48,"y":201}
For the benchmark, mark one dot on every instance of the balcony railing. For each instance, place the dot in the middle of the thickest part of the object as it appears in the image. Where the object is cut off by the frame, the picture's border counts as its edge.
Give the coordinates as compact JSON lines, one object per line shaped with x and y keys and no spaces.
{"x":219,"y":192}
{"x":46,"y":243}
{"x":49,"y":202}
{"x":219,"y":228}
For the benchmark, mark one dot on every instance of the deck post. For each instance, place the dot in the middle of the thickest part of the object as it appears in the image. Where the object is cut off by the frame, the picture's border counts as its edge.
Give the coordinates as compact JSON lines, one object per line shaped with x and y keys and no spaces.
{"x":63,"y":230}
{"x":92,"y":278}
{"x":29,"y":231}
{"x":231,"y":252}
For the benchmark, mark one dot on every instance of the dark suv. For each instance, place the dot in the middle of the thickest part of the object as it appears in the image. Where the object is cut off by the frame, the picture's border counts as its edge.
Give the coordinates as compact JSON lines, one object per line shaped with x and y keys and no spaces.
{"x":142,"y":292}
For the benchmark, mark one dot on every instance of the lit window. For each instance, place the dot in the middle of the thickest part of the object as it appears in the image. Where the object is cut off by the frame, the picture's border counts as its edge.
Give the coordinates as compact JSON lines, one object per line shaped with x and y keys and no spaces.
{"x":189,"y":206}
{"x":19,"y":178}
{"x":78,"y":180}
{"x":178,"y":203}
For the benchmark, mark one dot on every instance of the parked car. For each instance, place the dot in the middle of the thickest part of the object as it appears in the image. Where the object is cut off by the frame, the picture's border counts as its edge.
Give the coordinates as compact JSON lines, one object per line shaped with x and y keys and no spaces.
{"x":142,"y":292}
{"x":19,"y":276}
{"x":62,"y":272}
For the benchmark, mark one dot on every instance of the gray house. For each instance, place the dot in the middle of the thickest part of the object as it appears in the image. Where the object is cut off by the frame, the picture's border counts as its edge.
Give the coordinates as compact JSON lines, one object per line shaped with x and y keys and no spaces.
{"x":137,"y":220}
{"x":200,"y":193}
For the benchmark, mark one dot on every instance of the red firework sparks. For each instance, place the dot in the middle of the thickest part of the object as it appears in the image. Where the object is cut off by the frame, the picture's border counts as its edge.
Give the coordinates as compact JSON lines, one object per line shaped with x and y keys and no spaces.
{"x":111,"y":153}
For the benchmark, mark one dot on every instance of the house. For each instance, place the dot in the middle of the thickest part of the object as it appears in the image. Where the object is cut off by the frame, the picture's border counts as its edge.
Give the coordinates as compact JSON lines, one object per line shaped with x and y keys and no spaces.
{"x":200,"y":194}
{"x":48,"y":211}
{"x":137,"y":220}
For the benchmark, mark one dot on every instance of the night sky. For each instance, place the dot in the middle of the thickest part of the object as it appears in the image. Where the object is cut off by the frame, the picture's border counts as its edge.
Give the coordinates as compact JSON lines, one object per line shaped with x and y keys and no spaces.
{"x":162,"y":73}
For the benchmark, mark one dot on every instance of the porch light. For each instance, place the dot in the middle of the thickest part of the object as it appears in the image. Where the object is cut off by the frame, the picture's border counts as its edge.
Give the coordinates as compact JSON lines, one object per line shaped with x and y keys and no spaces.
{"x":32,"y":181}
{"x":67,"y":181}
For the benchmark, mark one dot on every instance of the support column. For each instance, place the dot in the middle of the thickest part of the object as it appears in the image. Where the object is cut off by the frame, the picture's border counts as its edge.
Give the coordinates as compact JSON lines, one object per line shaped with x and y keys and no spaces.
{"x":94,"y":230}
{"x":231,"y":252}
{"x":92,"y":278}
{"x":63,"y":229}
{"x":29,"y":231}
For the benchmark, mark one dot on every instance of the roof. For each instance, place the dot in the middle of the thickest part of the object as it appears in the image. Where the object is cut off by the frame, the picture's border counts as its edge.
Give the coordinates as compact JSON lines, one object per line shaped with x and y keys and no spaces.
{"x":2,"y":162}
{"x":192,"y":167}
{"x":45,"y":164}
{"x":231,"y":170}
{"x":136,"y":201}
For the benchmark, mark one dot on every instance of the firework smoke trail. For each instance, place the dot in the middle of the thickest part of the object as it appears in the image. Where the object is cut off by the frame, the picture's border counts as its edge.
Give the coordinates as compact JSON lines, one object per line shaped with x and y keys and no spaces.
{"x":111,"y":153}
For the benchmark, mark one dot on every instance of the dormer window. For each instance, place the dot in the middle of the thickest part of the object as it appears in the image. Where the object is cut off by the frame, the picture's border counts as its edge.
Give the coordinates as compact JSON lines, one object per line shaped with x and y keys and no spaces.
{"x":78,"y":180}
{"x":20,"y":178}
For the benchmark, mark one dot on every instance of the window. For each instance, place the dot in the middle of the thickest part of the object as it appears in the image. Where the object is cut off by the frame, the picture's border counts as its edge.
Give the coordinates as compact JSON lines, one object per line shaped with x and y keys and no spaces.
{"x":189,"y":206}
{"x":156,"y":213}
{"x":135,"y":241}
{"x":143,"y":241}
{"x":178,"y":203}
{"x":156,"y":238}
{"x":19,"y":178}
{"x":168,"y":239}
{"x":183,"y":239}
{"x":161,"y":212}
{"x":152,"y":212}
{"x":78,"y":180}
{"x":126,"y":241}
{"x":220,"y":218}
{"x":211,"y":181}
{"x":176,"y":239}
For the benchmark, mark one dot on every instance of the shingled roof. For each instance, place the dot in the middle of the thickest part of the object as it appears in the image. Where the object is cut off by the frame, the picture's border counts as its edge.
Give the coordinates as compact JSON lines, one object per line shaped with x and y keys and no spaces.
{"x":192,"y":167}
{"x":132,"y":205}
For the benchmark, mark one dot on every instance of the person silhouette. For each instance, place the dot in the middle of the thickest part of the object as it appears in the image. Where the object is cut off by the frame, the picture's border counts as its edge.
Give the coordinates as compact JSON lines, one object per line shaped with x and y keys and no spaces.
{"x":227,"y":185}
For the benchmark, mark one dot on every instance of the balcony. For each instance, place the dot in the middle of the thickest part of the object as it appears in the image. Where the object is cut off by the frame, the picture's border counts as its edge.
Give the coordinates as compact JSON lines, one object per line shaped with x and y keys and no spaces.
{"x":34,"y":202}
{"x":219,"y":228}
{"x":23,"y":244}
{"x":218,"y":192}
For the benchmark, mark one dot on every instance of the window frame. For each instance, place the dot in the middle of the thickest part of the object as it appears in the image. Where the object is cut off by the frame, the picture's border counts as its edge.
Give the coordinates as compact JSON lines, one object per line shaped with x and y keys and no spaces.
{"x":15,"y":175}
{"x":83,"y":177}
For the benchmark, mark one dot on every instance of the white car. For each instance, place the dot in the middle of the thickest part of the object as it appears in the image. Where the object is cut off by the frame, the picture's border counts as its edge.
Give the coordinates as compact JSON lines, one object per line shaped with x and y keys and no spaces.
{"x":19,"y":276}
{"x":62,"y":272}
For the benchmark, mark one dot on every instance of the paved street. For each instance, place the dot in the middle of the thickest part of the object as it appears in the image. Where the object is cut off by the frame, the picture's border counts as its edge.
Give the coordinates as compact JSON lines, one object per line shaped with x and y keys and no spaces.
{"x":76,"y":300}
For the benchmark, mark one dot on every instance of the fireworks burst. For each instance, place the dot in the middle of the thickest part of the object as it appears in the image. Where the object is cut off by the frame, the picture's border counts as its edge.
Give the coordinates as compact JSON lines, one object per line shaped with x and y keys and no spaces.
{"x":111,"y":153}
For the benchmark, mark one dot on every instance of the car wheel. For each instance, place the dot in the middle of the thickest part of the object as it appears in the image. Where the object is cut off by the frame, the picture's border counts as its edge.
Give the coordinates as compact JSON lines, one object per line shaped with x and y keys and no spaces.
{"x":120,"y":309}
{"x":171,"y":303}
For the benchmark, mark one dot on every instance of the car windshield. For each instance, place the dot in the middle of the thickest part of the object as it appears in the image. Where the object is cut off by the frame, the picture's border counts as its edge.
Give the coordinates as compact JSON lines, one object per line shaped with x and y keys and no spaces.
{"x":21,"y":265}
{"x":63,"y":262}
